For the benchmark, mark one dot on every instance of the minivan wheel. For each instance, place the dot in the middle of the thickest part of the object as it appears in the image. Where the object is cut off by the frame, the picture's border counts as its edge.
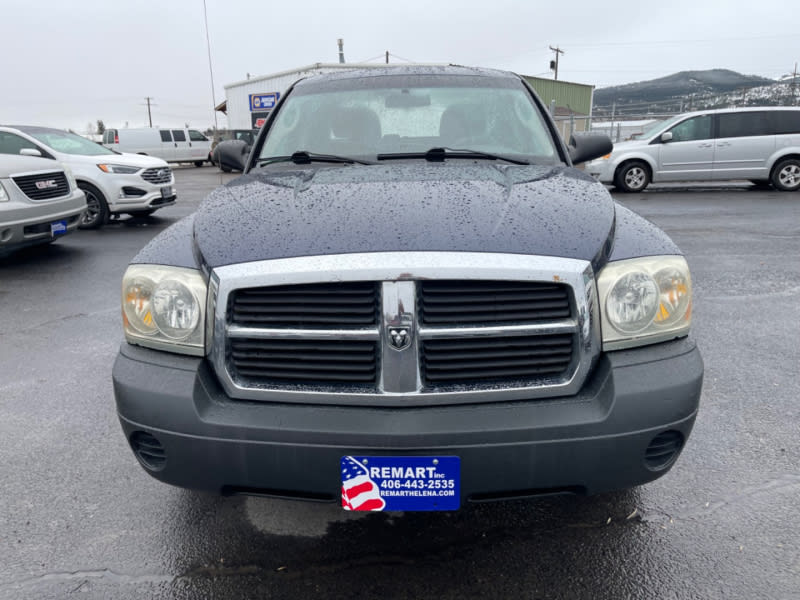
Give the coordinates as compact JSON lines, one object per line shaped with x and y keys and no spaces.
{"x":632,"y":177}
{"x":786,"y":175}
{"x":96,"y":213}
{"x":198,"y":163}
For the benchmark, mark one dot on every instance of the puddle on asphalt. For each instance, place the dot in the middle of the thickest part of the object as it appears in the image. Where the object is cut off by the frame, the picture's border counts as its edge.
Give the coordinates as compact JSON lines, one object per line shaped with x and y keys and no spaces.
{"x":306,"y":519}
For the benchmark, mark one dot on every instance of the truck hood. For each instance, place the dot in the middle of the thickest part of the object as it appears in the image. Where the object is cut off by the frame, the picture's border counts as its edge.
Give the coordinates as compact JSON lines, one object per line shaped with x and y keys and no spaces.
{"x":272,"y":214}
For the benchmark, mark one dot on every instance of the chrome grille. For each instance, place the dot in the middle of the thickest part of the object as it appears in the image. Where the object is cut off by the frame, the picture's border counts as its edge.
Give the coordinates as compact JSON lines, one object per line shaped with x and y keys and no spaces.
{"x":43,"y":186}
{"x":157,"y":175}
{"x":399,"y":329}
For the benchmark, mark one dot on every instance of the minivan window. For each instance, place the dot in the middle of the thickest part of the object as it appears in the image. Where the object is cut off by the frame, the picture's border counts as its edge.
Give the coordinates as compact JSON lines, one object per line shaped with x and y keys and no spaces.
{"x":166,"y":136}
{"x":196,"y":136}
{"x":785,"y":121}
{"x":178,"y":135}
{"x":744,"y":124}
{"x":696,"y":128}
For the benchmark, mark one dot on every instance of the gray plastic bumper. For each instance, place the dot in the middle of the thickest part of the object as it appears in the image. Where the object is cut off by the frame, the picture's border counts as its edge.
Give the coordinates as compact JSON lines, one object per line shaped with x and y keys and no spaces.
{"x":588,"y":443}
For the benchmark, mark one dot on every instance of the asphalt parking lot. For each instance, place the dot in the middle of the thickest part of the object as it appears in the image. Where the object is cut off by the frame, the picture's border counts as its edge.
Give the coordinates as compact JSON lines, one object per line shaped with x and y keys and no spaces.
{"x":80,"y":518}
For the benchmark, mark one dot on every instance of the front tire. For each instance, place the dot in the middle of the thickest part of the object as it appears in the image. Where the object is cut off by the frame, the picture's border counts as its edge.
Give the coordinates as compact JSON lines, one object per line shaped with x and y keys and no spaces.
{"x":786,"y":175}
{"x":96,"y":214}
{"x":198,"y":163}
{"x":632,"y":177}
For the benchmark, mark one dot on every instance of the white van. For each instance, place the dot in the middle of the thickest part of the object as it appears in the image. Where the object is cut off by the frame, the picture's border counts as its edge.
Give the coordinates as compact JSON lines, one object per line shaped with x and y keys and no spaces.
{"x":757,"y":144}
{"x":171,"y":145}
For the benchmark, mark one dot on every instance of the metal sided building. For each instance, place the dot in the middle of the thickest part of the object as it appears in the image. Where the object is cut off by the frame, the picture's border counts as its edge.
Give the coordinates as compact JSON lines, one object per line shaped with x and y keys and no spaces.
{"x":569,"y":103}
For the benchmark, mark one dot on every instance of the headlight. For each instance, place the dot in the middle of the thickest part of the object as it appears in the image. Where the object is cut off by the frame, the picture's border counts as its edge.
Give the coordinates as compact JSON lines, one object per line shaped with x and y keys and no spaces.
{"x":644,"y":301}
{"x":118,"y":169}
{"x":162,"y":308}
{"x":3,"y":194}
{"x":73,"y":185}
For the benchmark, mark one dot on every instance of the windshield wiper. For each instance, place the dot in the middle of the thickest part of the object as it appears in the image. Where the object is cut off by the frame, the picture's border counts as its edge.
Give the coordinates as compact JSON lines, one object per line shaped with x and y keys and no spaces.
{"x":440,"y":154}
{"x":304,"y":157}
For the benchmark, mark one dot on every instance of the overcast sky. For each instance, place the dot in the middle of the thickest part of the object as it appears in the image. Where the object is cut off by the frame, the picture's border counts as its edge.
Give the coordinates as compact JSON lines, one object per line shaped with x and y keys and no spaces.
{"x":68,"y":63}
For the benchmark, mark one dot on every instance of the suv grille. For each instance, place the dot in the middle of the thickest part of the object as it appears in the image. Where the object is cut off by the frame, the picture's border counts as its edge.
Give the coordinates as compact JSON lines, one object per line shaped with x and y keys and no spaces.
{"x":43,"y":186}
{"x":158,"y":175}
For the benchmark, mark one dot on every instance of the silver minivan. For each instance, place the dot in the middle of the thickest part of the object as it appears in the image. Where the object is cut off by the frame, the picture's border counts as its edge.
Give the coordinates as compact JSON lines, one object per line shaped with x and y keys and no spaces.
{"x":761,"y":145}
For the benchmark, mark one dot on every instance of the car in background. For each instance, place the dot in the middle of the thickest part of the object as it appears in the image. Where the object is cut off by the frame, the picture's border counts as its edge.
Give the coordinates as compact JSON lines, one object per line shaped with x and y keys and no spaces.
{"x":114,"y":183}
{"x":227,"y":154}
{"x":178,"y":145}
{"x":39,"y":202}
{"x":761,"y":145}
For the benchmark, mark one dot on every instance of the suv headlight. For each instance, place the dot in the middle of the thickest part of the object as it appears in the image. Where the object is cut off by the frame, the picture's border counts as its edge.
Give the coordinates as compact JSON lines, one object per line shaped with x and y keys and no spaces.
{"x":644,"y":301}
{"x":3,"y":194}
{"x":118,"y":169}
{"x":73,"y":185}
{"x":163,"y":308}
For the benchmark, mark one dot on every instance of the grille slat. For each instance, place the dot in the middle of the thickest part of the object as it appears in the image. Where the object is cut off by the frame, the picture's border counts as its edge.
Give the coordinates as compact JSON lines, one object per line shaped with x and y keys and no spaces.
{"x":310,"y":362}
{"x":331,"y":305}
{"x":448,"y":302}
{"x":469,"y":360}
{"x":43,"y":186}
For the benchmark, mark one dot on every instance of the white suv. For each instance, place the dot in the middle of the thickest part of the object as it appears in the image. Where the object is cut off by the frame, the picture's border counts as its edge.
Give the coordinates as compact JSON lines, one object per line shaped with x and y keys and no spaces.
{"x":114,"y":183}
{"x":757,"y":144}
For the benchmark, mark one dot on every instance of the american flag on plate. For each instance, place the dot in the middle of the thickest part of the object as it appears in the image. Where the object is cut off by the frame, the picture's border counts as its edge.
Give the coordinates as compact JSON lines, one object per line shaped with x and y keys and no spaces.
{"x":359,"y":492}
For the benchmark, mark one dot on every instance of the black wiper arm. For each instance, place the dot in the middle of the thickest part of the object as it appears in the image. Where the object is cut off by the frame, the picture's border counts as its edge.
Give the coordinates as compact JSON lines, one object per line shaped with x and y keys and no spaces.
{"x":442,"y":153}
{"x":304,"y":157}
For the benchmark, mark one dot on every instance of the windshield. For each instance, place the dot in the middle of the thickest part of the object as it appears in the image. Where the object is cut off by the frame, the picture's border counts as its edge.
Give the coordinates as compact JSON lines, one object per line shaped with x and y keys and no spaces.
{"x":70,"y":143}
{"x":403,"y":118}
{"x":656,"y":127}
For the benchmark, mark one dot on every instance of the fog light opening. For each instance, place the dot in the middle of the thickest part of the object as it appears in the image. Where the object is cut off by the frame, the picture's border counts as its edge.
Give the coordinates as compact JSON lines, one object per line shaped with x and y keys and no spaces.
{"x":663,"y":450}
{"x":148,"y":451}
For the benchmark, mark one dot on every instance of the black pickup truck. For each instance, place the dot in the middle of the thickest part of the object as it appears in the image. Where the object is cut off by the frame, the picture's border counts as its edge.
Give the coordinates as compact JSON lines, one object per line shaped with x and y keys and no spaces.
{"x":409,"y":300}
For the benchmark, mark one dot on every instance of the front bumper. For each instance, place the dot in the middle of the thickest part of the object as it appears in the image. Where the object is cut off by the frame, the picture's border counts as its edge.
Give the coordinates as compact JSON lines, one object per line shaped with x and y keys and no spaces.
{"x":131,"y":193}
{"x":601,"y":169}
{"x":25,"y":223}
{"x":592,"y":442}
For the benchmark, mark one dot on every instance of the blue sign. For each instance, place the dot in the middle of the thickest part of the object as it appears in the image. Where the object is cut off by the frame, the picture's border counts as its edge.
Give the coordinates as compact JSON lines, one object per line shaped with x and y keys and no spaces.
{"x":406,"y":483}
{"x":58,"y":228}
{"x":263,"y":101}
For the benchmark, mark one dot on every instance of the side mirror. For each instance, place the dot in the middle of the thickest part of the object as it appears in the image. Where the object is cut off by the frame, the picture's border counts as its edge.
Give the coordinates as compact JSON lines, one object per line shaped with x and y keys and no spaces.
{"x":583,"y":148}
{"x":232,"y":154}
{"x":666,"y":137}
{"x":30,"y":152}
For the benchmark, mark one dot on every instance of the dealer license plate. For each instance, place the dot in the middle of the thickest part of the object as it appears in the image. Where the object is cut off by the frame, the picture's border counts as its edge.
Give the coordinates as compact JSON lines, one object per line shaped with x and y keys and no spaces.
{"x":58,"y":228}
{"x":166,"y":191}
{"x":406,"y":483}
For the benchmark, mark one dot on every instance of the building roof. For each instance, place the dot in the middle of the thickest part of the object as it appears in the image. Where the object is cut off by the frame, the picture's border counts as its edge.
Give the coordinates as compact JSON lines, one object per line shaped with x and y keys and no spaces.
{"x":316,"y":67}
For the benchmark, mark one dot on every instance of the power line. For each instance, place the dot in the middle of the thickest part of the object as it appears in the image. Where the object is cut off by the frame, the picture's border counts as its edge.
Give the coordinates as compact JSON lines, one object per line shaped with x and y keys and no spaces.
{"x":696,"y":41}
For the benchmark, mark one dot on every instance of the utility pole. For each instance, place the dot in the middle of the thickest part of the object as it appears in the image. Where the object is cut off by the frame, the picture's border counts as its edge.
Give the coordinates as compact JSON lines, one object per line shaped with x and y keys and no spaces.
{"x":554,"y":63}
{"x":794,"y":84}
{"x":211,"y":70}
{"x":149,"y":115}
{"x":387,"y":57}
